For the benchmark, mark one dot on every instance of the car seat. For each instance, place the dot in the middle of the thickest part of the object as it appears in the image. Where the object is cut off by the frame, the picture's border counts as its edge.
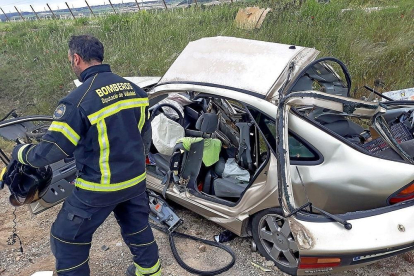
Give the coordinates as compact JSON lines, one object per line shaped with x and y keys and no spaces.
{"x":223,"y":187}
{"x":185,"y":163}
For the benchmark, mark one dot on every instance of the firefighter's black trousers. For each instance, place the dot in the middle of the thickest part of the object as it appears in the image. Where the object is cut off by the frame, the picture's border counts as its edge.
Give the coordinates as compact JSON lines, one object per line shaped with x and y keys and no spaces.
{"x":71,"y":234}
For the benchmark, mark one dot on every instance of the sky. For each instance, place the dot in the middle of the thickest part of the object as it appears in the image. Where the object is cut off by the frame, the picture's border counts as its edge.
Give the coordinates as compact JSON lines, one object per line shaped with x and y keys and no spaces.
{"x":40,"y":5}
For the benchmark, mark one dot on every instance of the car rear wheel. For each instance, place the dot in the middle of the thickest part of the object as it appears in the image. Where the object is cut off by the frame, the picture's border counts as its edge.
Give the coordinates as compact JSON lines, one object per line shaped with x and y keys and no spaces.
{"x":274,"y":240}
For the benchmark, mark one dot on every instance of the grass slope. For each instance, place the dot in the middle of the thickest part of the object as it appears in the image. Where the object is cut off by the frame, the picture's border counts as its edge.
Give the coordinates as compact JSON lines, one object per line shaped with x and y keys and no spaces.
{"x":377,"y":47}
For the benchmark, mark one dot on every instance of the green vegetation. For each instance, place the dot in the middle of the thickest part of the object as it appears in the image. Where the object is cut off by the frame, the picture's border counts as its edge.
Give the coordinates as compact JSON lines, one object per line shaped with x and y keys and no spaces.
{"x":377,"y":47}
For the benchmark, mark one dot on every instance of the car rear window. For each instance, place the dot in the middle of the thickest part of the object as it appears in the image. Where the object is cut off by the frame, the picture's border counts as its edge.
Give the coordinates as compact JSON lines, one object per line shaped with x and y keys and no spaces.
{"x":299,"y":151}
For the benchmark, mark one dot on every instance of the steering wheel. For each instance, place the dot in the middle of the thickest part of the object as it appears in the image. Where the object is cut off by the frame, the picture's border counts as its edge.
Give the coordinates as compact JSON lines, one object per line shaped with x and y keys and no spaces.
{"x":156,"y":110}
{"x":37,"y":132}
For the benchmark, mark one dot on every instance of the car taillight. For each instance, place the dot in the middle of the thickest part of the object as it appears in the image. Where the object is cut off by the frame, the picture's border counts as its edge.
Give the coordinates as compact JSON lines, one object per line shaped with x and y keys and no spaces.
{"x":405,"y":194}
{"x":316,"y":262}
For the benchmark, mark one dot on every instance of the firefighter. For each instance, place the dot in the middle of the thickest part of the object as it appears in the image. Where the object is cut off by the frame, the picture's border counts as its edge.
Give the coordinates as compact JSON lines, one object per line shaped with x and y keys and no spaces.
{"x":104,"y":125}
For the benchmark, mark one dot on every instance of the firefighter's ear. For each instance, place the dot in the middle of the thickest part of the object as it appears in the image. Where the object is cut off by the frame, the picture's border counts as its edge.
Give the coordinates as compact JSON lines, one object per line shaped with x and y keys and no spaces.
{"x":76,"y":59}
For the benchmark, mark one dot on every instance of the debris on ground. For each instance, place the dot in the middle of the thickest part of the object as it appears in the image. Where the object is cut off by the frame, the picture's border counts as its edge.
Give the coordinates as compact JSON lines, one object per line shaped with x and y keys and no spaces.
{"x":261,"y":267}
{"x":43,"y":273}
{"x":269,"y":264}
{"x":251,"y":17}
{"x":409,"y":257}
{"x":225,"y":236}
{"x":369,"y":9}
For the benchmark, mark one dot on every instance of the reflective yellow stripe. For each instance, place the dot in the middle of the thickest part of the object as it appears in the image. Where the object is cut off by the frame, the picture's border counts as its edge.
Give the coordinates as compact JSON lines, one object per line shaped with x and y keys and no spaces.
{"x":74,"y":243}
{"x":146,"y":227}
{"x":157,"y":274}
{"x":142,"y":244}
{"x":141,"y":118}
{"x":73,"y":267}
{"x":3,"y":171}
{"x":20,"y":154}
{"x":104,"y":152}
{"x":115,"y":108}
{"x":66,"y":130}
{"x":91,"y":186}
{"x":148,"y":271}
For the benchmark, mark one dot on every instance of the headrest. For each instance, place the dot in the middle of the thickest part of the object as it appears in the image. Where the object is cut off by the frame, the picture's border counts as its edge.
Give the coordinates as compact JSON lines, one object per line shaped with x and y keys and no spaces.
{"x":207,"y":123}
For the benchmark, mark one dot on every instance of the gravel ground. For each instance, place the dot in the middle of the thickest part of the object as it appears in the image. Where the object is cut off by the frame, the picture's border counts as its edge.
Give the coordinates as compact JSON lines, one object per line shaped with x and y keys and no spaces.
{"x":34,"y":232}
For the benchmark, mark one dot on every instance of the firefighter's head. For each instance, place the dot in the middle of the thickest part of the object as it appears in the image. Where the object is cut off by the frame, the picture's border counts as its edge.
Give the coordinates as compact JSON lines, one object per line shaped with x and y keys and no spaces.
{"x":84,"y":51}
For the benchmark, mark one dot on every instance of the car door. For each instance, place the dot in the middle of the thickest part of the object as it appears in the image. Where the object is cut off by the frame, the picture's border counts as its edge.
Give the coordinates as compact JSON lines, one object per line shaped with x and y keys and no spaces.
{"x":30,"y":129}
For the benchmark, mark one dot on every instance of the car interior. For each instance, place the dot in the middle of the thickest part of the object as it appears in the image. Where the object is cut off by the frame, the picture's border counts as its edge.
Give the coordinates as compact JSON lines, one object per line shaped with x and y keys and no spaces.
{"x":322,"y":75}
{"x":358,"y":132}
{"x":218,"y":153}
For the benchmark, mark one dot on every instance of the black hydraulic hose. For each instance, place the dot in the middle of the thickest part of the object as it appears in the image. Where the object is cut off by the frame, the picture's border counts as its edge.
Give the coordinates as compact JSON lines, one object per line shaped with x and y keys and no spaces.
{"x":173,"y":234}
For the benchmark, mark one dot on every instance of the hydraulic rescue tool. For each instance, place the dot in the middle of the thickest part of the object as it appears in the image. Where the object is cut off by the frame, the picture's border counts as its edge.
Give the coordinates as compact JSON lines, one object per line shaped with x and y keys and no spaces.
{"x":162,"y":213}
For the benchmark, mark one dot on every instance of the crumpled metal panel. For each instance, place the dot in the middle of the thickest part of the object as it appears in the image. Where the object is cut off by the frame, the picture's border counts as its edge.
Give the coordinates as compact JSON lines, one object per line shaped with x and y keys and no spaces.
{"x":239,"y":63}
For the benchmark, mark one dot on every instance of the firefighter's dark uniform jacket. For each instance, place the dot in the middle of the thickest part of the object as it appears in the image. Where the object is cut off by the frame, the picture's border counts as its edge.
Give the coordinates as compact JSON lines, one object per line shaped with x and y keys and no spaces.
{"x":104,"y":124}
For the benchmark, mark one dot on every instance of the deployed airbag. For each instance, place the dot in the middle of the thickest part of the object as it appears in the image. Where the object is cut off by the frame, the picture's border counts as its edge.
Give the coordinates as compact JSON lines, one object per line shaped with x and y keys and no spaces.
{"x":165,"y":133}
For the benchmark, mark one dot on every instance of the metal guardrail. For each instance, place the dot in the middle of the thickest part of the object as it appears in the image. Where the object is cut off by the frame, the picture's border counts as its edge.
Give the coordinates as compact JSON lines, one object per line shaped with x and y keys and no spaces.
{"x":71,"y":13}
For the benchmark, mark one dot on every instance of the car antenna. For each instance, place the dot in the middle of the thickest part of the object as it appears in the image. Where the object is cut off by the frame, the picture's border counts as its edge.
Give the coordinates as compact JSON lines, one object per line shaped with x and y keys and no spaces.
{"x":346,"y":224}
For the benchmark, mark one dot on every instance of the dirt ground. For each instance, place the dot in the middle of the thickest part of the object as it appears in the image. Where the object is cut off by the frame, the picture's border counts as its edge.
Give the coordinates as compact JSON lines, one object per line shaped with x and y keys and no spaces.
{"x":34,"y":232}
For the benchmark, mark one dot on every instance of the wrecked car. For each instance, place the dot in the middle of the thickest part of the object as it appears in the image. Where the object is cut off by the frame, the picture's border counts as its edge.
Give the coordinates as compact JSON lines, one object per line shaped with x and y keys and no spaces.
{"x":265,"y":140}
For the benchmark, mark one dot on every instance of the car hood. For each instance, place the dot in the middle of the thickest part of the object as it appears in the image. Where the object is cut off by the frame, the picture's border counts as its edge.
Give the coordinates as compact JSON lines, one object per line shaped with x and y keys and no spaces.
{"x":258,"y":67}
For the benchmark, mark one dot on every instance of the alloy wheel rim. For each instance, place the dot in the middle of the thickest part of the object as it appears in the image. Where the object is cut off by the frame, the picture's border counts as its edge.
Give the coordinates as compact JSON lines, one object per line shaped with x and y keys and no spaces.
{"x":276,"y":238}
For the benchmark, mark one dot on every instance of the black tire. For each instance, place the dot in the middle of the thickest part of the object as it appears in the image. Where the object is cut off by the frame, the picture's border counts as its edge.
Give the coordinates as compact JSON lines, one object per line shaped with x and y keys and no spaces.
{"x":275,"y":244}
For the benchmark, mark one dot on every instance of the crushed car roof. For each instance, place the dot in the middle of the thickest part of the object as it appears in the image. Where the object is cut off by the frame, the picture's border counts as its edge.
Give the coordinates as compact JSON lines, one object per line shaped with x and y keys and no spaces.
{"x":256,"y":66}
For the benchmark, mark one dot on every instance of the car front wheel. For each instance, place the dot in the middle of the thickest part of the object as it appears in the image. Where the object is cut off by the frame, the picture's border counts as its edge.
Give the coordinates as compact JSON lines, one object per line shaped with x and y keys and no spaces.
{"x":274,"y":240}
